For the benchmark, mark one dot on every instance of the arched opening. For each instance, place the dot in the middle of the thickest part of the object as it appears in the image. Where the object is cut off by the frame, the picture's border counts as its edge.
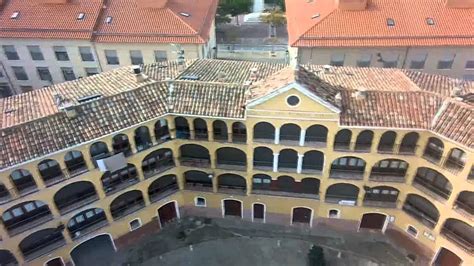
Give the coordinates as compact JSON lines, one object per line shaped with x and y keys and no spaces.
{"x":258,"y":212}
{"x":433,"y":150}
{"x":310,"y":186}
{"x":231,"y":159}
{"x":342,"y":193}
{"x":460,"y":233}
{"x":219,"y":129}
{"x":465,"y":203}
{"x":96,"y":249}
{"x":142,"y":138}
{"x":24,"y":216}
{"x":232,"y":208}
{"x":162,"y":131}
{"x":200,"y":129}
{"x":263,"y":158}
{"x":167,"y":213}
{"x":347,"y":168}
{"x":162,"y":187}
{"x":23,"y":181}
{"x":389,"y":170}
{"x":50,"y":172}
{"x":446,"y":257}
{"x":7,"y":258}
{"x":41,"y":242}
{"x":126,"y":204}
{"x":316,"y":136}
{"x":121,"y":144}
{"x":4,"y":194}
{"x":194,"y":156}
{"x":286,"y":183}
{"x":75,"y":163}
{"x":433,"y":183}
{"x":261,"y":182}
{"x":421,"y":209}
{"x":55,"y":262}
{"x":182,"y":128}
{"x":198,"y":180}
{"x":373,"y":221}
{"x":86,"y":222}
{"x":239,"y":132}
{"x":342,"y":140}
{"x":120,"y":179}
{"x":364,"y":141}
{"x":264,"y":132}
{"x":157,"y":162}
{"x":409,"y":143}
{"x":387,"y":142}
{"x":287,"y":160}
{"x":74,"y":196}
{"x":98,"y":151}
{"x":302,"y":215}
{"x":231,"y":183}
{"x":290,"y":134}
{"x":456,"y":160}
{"x":313,"y":162}
{"x":381,"y":196}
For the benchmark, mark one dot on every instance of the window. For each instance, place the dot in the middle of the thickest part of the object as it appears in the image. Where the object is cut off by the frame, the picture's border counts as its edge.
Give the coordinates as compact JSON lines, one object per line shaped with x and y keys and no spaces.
{"x":136,"y":57}
{"x":26,"y":88}
{"x":364,"y":60}
{"x":390,"y":60}
{"x":446,"y":62}
{"x":61,"y":53}
{"x":35,"y":52}
{"x":418,"y":61}
{"x":90,"y":71}
{"x":86,"y":54}
{"x":412,"y":231}
{"x":30,"y":206}
{"x":430,"y":21}
{"x":390,"y":22}
{"x":160,"y":56}
{"x":293,"y":100}
{"x":10,"y":52}
{"x":44,"y":74}
{"x":112,"y":58}
{"x":20,"y":73}
{"x":469,"y":64}
{"x":333,"y":214}
{"x":200,"y":202}
{"x":5,"y":90}
{"x":135,"y":224}
{"x":68,"y":73}
{"x":337,"y":60}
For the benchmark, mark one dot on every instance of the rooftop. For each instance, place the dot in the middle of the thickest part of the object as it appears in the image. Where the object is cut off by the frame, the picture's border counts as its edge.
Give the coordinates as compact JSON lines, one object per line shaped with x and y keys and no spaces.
{"x":218,"y":88}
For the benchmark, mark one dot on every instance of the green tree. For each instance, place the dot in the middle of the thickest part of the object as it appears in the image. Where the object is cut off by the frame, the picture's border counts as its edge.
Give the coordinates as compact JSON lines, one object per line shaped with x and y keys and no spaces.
{"x":316,"y":256}
{"x":232,"y":8}
{"x":274,"y":19}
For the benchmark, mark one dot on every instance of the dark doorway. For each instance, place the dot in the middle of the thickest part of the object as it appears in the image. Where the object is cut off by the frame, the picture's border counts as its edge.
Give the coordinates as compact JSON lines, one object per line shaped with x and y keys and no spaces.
{"x":167,"y":213}
{"x":258,"y":211}
{"x":302,"y":215}
{"x":232,"y":208}
{"x":97,"y":251}
{"x":373,"y":221}
{"x":55,"y":262}
{"x":447,"y":258}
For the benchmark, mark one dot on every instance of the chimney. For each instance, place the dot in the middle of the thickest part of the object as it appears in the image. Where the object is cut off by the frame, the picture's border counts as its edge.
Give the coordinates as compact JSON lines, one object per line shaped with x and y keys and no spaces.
{"x":352,"y":5}
{"x":457,"y":92}
{"x":360,"y":94}
{"x":139,"y":75}
{"x":151,"y":3}
{"x":53,"y":2}
{"x":65,"y":105}
{"x":460,"y":3}
{"x":338,"y":99}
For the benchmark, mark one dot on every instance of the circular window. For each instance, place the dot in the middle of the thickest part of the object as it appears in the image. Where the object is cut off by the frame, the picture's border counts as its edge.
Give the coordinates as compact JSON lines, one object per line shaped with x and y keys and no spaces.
{"x":293,"y":100}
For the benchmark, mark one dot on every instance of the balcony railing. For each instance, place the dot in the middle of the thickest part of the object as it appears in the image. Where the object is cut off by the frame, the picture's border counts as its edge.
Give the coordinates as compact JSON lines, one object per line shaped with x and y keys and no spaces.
{"x":292,"y":140}
{"x":342,"y":146}
{"x":362,"y":147}
{"x":287,"y":167}
{"x":88,"y":228}
{"x":44,"y":247}
{"x":263,"y":165}
{"x":54,"y":180}
{"x":341,"y":199}
{"x":380,"y":176}
{"x":279,"y":193}
{"x":76,"y":203}
{"x":163,"y":192}
{"x":380,"y":203}
{"x":201,"y":135}
{"x":312,"y":169}
{"x":239,"y":138}
{"x":221,"y":137}
{"x":453,"y":165}
{"x":419,"y":215}
{"x":127,"y":209}
{"x":183,"y":133}
{"x":430,"y":189}
{"x":433,"y":155}
{"x":385,"y":149}
{"x":163,"y":165}
{"x":120,"y":185}
{"x":29,"y":222}
{"x":407,"y":149}
{"x":346,"y":174}
{"x":231,"y":189}
{"x":457,"y":239}
{"x":198,"y":186}
{"x":464,"y":209}
{"x":231,"y":165}
{"x":317,"y":142}
{"x":195,"y":162}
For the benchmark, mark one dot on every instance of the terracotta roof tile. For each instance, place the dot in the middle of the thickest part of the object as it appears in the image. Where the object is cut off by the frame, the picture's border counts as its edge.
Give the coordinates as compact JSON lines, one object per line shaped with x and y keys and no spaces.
{"x":455,"y":121}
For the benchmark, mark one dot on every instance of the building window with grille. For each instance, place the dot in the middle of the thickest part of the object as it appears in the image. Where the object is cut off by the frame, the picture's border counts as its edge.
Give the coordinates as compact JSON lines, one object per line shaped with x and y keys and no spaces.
{"x":20,"y":73}
{"x":337,"y":60}
{"x":446,"y":62}
{"x":61,"y":53}
{"x":364,"y":60}
{"x":10,"y":52}
{"x":390,"y":60}
{"x":68,"y":73}
{"x":418,"y":61}
{"x":160,"y":56}
{"x":91,"y":71}
{"x":86,"y":54}
{"x":35,"y":52}
{"x":5,"y":90}
{"x":111,"y":57}
{"x":136,"y":57}
{"x":44,"y":74}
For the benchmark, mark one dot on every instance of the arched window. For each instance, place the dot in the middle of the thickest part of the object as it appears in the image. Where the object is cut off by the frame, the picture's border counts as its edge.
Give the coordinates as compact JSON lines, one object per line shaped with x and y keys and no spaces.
{"x":74,"y":196}
{"x":459,"y":232}
{"x":286,"y":184}
{"x":157,"y":162}
{"x":23,"y":181}
{"x":24,"y":216}
{"x":421,"y":209}
{"x":231,"y":158}
{"x":127,"y":203}
{"x":310,"y":186}
{"x":381,"y":196}
{"x":409,"y":143}
{"x":86,"y":221}
{"x":162,"y":187}
{"x":75,"y":162}
{"x":290,"y":134}
{"x":7,"y":258}
{"x":200,"y":129}
{"x":347,"y":168}
{"x":434,"y":150}
{"x":120,"y":179}
{"x":389,"y":170}
{"x":261,"y":182}
{"x":4,"y":194}
{"x":120,"y":144}
{"x":194,"y":155}
{"x":264,"y":132}
{"x":313,"y":162}
{"x":41,"y":242}
{"x":456,"y":159}
{"x":98,"y":150}
{"x":162,"y":132}
{"x":287,"y":160}
{"x":182,"y":128}
{"x":364,"y":141}
{"x":239,"y":132}
{"x":198,"y":180}
{"x":231,"y":182}
{"x":432,"y":182}
{"x":50,"y":171}
{"x":316,"y":136}
{"x":387,"y":142}
{"x":342,"y":140}
{"x":342,"y":193}
{"x":220,"y":131}
{"x":465,"y":202}
{"x":263,"y":158}
{"x":142,"y":138}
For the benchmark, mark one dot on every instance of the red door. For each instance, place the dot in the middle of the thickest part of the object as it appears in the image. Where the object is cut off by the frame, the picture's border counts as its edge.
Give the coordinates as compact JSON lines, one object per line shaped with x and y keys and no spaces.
{"x":232,"y":208}
{"x":167,"y":213}
{"x":302,"y":215}
{"x":373,"y":221}
{"x":258,"y":211}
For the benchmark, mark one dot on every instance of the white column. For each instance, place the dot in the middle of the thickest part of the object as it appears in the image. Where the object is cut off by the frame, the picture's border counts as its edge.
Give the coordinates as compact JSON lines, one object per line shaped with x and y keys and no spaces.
{"x":275,"y":162}
{"x":302,"y":136}
{"x":299,"y":167}
{"x":277,"y":135}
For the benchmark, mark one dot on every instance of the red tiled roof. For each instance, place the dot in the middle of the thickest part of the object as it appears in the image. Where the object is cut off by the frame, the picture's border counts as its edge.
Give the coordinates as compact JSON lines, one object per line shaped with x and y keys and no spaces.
{"x":335,"y":27}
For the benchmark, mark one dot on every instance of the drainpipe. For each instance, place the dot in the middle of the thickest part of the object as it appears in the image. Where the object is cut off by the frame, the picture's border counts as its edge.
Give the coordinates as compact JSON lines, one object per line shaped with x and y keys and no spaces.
{"x":97,"y":56}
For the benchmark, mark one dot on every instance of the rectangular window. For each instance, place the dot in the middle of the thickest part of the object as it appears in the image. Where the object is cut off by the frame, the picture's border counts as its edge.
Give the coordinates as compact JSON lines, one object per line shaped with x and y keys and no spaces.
{"x":136,"y":57}
{"x":35,"y":52}
{"x":364,"y":60}
{"x":26,"y":88}
{"x":5,"y":90}
{"x":10,"y":52}
{"x":44,"y":74}
{"x":390,"y":60}
{"x":112,"y":58}
{"x":337,"y":60}
{"x":90,"y":71}
{"x":61,"y":53}
{"x":160,"y":56}
{"x":470,"y":64}
{"x":68,"y":73}
{"x":86,"y":54}
{"x":446,"y":62}
{"x":418,"y":61}
{"x":20,"y":73}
